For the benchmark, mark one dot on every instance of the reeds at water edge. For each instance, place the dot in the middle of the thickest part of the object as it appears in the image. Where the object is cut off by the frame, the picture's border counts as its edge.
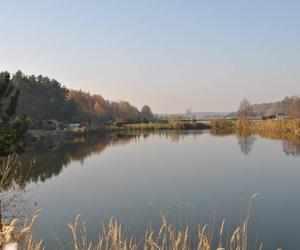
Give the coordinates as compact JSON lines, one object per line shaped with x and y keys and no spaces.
{"x":113,"y":236}
{"x":166,"y":238}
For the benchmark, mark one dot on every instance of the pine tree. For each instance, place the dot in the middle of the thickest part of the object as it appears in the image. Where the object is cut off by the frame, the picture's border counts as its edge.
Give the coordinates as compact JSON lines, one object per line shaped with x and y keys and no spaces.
{"x":12,"y":128}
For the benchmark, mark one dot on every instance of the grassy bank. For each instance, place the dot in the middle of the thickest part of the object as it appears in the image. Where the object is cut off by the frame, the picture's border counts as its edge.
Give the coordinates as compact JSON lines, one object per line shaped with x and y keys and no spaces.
{"x":178,"y":125}
{"x":223,"y":124}
{"x":290,"y":125}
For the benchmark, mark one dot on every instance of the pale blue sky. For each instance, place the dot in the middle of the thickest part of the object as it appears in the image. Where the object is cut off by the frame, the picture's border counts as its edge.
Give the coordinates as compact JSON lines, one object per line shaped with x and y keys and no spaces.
{"x":172,"y":55}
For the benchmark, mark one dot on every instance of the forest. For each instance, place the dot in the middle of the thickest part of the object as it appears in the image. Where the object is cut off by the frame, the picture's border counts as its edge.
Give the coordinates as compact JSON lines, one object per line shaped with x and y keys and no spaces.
{"x":42,"y":98}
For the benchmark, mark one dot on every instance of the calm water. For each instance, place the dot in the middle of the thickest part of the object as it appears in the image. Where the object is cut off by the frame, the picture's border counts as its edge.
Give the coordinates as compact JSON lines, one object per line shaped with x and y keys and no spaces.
{"x":187,"y":174}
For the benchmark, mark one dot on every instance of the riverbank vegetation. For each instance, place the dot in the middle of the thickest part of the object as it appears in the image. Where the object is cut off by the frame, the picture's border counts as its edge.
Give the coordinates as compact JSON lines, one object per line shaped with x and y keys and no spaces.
{"x":280,"y":125}
{"x":169,"y":125}
{"x":223,"y":124}
{"x":248,"y":120}
{"x":288,"y":125}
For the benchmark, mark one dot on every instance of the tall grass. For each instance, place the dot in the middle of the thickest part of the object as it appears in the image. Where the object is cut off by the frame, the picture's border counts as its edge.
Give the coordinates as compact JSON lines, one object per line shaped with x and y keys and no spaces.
{"x":172,"y":125}
{"x":113,"y":236}
{"x":166,"y":238}
{"x":280,"y":125}
{"x":12,"y":181}
{"x":15,"y":236}
{"x":222,"y":124}
{"x":8,"y":172}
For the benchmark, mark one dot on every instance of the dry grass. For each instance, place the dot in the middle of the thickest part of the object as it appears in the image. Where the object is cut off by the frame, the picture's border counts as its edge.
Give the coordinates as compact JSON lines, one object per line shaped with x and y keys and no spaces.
{"x":166,"y":238}
{"x":17,"y":233}
{"x":280,"y":125}
{"x":114,"y":238}
{"x":20,"y":235}
{"x":222,"y":124}
{"x":8,"y":172}
{"x":172,"y":125}
{"x":12,"y":182}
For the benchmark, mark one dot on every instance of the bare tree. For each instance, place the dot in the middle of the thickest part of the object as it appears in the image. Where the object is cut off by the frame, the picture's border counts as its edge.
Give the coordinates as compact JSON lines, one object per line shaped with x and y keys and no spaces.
{"x":245,"y":110}
{"x":246,"y":143}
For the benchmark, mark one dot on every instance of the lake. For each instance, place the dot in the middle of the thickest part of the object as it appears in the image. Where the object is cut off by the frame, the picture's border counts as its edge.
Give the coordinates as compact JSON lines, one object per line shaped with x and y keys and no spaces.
{"x":191,"y":175}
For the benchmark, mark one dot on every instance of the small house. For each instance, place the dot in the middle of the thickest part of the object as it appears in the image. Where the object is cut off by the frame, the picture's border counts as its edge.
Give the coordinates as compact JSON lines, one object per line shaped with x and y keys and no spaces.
{"x":74,"y":125}
{"x":55,"y":124}
{"x":280,"y":116}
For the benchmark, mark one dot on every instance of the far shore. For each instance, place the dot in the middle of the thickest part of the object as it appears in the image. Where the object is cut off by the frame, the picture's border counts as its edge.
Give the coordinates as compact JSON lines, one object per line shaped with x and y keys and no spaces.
{"x":292,"y":125}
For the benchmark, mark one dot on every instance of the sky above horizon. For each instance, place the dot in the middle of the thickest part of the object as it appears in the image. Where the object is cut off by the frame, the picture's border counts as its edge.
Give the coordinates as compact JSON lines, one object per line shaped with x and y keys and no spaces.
{"x":171,"y":55}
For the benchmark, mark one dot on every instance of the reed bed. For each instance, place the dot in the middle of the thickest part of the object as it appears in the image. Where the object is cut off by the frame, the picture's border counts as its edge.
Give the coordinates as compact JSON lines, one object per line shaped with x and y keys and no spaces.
{"x":222,"y":124}
{"x":280,"y":125}
{"x":172,"y":125}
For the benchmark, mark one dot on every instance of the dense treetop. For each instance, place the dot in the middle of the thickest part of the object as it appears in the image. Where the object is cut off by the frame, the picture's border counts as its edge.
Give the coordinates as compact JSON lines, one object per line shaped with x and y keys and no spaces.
{"x":43,"y":98}
{"x":12,"y":127}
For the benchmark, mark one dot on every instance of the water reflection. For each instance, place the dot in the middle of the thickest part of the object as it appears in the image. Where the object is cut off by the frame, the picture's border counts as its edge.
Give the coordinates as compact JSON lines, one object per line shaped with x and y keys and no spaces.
{"x":12,"y":188}
{"x":289,"y":140}
{"x":169,"y":168}
{"x":246,"y":141}
{"x":49,"y":160}
{"x":246,"y":138}
{"x":291,"y":148}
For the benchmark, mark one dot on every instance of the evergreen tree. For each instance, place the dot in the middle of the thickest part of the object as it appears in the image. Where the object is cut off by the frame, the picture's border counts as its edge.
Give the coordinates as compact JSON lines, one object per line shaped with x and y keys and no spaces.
{"x":12,"y":128}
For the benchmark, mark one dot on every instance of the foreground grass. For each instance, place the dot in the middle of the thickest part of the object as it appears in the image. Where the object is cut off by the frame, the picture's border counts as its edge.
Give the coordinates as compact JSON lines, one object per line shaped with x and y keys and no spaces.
{"x":16,"y":236}
{"x":114,"y":237}
{"x":166,"y":238}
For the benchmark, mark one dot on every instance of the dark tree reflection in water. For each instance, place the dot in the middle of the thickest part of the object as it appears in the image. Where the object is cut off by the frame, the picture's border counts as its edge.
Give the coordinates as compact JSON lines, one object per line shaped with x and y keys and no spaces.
{"x":246,"y":144}
{"x":246,"y":141}
{"x":291,"y":148}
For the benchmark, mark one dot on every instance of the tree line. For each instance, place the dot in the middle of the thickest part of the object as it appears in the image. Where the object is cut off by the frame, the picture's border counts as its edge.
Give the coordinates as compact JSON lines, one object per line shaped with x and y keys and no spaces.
{"x":42,"y":98}
{"x":12,"y":127}
{"x":290,"y":107}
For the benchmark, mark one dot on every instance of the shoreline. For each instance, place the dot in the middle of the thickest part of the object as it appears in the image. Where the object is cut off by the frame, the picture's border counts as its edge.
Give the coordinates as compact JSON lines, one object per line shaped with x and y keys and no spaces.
{"x":288,"y":126}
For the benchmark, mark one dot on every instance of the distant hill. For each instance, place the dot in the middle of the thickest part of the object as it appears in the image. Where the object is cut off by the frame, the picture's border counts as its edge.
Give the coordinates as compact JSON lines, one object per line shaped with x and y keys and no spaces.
{"x":199,"y":115}
{"x":263,"y":109}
